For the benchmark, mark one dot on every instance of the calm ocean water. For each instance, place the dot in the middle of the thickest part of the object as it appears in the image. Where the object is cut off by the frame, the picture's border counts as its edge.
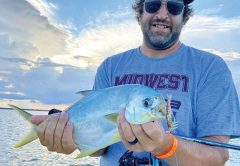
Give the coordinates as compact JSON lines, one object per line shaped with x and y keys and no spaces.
{"x":13,"y":127}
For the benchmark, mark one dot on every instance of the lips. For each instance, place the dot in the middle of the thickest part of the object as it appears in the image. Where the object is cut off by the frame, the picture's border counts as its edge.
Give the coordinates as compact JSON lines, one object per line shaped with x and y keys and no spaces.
{"x":160,"y":28}
{"x":158,"y":25}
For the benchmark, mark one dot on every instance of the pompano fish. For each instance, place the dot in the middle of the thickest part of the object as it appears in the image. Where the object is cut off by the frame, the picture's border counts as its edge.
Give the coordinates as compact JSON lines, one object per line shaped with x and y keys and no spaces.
{"x":94,"y":116}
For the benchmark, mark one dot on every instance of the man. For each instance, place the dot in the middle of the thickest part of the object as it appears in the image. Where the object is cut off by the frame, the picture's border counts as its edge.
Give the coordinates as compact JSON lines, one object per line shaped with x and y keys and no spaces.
{"x":204,"y":99}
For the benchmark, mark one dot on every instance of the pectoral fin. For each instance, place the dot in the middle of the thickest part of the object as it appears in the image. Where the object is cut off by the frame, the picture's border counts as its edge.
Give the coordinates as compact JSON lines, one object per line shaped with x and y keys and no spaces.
{"x":112,"y":117}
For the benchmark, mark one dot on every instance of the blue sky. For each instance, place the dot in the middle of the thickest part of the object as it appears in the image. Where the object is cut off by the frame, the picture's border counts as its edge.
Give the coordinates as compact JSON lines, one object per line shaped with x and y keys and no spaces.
{"x":50,"y":49}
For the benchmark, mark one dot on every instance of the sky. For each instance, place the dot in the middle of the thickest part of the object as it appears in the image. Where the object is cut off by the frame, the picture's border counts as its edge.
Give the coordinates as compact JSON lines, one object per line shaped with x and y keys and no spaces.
{"x":50,"y":49}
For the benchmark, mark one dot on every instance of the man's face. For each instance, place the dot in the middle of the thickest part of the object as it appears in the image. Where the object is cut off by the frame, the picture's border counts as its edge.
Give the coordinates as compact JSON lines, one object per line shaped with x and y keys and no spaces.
{"x":161,"y":29}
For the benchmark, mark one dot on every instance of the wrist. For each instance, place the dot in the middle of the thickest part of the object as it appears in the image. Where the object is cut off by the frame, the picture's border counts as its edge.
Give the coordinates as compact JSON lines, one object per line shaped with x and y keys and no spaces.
{"x":170,"y":143}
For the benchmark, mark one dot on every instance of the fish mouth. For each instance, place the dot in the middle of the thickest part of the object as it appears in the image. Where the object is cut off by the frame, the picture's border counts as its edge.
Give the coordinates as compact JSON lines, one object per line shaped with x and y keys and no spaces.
{"x":159,"y":111}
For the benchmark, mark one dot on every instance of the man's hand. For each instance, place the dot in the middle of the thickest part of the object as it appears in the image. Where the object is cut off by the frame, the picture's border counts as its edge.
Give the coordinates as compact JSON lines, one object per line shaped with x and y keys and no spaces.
{"x":55,"y":132}
{"x":150,"y":136}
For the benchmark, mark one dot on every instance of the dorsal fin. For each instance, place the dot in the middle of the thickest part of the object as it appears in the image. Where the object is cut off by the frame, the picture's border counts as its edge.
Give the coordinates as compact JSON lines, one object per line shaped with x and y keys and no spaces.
{"x":84,"y":92}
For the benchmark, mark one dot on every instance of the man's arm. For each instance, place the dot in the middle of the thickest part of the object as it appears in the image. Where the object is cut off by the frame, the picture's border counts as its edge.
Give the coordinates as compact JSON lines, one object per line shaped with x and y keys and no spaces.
{"x":192,"y":153}
{"x":151,"y":138}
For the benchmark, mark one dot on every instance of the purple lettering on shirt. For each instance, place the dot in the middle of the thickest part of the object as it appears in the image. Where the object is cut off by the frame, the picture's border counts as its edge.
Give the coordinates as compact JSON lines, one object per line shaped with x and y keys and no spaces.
{"x":185,"y":80}
{"x":156,"y":81}
{"x":162,"y":81}
{"x":138,"y":79}
{"x":174,"y":82}
{"x":121,"y":80}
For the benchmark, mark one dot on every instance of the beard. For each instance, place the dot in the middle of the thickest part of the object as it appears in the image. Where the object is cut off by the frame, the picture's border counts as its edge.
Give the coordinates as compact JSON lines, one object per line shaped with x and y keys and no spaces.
{"x":160,"y":41}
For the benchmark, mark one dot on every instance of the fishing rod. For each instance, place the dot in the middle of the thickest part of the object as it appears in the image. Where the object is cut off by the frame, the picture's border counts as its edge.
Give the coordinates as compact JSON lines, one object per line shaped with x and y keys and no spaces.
{"x":210,"y":142}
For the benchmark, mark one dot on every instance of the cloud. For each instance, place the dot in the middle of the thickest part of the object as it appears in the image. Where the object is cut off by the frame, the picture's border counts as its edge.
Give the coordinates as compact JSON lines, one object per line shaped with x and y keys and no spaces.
{"x":93,"y":45}
{"x":212,"y":32}
{"x":43,"y":63}
{"x":46,"y":9}
{"x":47,"y":82}
{"x":211,"y":11}
{"x":228,"y":56}
{"x":23,"y":26}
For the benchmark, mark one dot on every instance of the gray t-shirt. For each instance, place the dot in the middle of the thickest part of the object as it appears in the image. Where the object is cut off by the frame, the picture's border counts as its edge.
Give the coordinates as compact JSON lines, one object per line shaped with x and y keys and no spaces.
{"x":204,"y":98}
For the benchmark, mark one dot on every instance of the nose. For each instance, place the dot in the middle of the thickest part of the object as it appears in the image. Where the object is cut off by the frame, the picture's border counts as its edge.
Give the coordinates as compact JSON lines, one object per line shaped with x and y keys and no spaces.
{"x":162,"y":13}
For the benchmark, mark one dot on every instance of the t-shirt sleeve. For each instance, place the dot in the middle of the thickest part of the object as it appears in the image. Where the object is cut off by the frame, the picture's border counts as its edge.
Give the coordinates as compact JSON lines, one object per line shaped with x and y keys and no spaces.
{"x":102,"y":78}
{"x":218,"y":110}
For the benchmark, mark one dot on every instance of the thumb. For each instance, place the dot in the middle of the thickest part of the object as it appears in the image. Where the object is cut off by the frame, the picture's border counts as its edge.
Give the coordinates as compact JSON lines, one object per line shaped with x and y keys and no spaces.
{"x":37,"y":119}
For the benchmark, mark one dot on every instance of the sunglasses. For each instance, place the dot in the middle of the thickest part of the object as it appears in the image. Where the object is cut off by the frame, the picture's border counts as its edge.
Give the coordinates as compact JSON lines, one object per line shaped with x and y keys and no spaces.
{"x":174,"y":7}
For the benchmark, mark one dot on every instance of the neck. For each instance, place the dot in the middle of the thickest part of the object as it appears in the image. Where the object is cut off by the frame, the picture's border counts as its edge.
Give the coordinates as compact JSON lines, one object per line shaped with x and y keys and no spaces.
{"x":150,"y":52}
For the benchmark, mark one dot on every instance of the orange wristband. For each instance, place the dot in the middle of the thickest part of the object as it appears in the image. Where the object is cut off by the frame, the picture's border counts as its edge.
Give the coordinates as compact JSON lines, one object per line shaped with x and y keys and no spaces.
{"x":171,"y":150}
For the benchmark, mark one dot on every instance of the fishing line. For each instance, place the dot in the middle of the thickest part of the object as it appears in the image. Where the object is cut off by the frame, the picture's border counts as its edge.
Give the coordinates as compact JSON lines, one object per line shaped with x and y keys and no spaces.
{"x":210,"y":142}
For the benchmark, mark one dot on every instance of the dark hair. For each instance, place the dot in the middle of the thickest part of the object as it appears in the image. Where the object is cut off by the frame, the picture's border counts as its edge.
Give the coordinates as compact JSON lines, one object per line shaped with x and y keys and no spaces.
{"x":138,"y":8}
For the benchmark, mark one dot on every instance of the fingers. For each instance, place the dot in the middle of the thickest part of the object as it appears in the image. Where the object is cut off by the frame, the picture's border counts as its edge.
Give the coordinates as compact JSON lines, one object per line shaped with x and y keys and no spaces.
{"x":37,"y":119}
{"x":153,"y":130}
{"x":62,"y":121}
{"x":126,"y":133}
{"x":149,"y":135}
{"x":124,"y":126}
{"x":50,"y":131}
{"x":56,"y":133}
{"x":45,"y":131}
{"x":67,"y":141}
{"x":41,"y":132}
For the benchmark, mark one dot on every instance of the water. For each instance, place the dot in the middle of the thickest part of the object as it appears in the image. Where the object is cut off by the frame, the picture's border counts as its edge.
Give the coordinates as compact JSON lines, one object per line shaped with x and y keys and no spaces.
{"x":13,"y":127}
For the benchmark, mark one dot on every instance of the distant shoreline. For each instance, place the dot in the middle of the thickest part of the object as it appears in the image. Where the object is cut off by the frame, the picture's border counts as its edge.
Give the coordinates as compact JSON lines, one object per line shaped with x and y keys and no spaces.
{"x":27,"y":109}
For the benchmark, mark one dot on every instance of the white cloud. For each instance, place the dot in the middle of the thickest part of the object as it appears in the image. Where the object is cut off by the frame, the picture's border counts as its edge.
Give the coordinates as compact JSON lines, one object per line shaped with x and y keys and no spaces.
{"x":212,"y":32}
{"x":12,"y":93}
{"x":10,"y":86}
{"x":211,"y":11}
{"x":59,"y":69}
{"x":46,"y":8}
{"x":93,"y":45}
{"x":202,"y":23}
{"x":23,"y":26}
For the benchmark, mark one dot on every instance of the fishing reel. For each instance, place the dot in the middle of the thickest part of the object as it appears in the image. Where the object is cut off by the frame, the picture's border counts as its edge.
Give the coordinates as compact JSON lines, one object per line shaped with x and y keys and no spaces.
{"x":128,"y":159}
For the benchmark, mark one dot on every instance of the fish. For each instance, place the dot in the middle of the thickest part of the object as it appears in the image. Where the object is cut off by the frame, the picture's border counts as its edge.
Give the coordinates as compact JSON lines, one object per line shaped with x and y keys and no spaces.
{"x":94,"y":115}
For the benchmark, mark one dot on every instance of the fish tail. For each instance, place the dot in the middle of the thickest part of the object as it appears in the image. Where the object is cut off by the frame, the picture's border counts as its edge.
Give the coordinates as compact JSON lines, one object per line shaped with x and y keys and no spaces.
{"x":32,"y":135}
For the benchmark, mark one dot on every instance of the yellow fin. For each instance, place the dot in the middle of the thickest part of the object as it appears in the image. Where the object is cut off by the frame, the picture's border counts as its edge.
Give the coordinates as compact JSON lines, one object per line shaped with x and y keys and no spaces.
{"x":112,"y":117}
{"x":85,"y":153}
{"x":23,"y":113}
{"x":115,"y":138}
{"x":32,"y":135}
{"x":29,"y":138}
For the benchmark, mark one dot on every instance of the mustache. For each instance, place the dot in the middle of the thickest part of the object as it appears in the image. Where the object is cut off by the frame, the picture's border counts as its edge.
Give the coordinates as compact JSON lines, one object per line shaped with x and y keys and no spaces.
{"x":163,"y":21}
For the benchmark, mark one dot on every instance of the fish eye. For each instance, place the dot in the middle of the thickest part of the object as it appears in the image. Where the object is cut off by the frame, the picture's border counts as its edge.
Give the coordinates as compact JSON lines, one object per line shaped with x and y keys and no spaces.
{"x":147,"y":102}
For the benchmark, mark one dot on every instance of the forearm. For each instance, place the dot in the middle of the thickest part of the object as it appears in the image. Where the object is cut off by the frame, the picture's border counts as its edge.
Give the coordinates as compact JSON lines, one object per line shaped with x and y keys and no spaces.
{"x":191,"y":153}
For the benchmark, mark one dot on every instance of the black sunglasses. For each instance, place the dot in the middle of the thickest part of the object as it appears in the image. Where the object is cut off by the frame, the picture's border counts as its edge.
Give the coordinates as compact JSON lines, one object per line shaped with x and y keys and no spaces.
{"x":174,"y":7}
